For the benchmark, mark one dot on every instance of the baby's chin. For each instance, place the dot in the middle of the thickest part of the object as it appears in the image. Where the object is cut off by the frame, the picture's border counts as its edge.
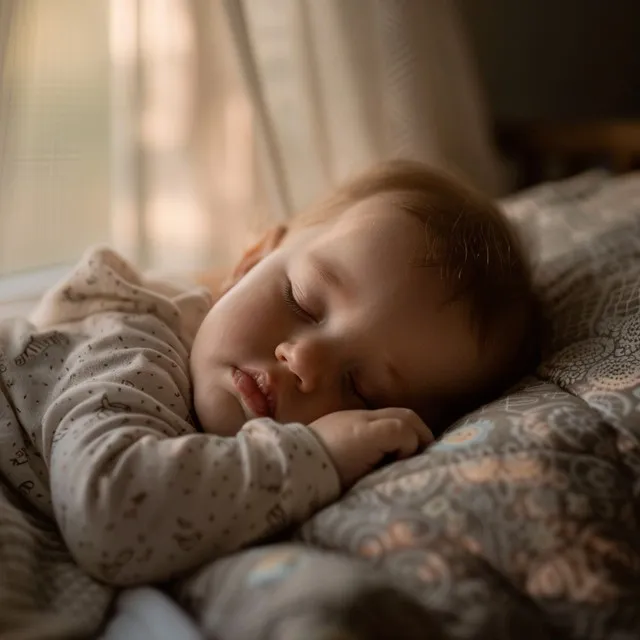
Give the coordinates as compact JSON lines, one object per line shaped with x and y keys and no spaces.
{"x":219,"y":412}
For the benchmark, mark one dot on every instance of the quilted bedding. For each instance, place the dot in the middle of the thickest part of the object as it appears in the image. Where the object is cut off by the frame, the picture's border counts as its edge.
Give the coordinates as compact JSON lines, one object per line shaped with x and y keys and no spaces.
{"x":523,"y":520}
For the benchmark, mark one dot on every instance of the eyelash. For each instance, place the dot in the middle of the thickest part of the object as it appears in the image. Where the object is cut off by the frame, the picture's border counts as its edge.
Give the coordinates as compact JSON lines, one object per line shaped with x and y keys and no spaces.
{"x":291,"y":301}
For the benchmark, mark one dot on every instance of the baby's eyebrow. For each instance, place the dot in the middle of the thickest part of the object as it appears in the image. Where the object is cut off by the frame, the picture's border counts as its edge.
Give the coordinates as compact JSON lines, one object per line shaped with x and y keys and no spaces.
{"x":329,"y":274}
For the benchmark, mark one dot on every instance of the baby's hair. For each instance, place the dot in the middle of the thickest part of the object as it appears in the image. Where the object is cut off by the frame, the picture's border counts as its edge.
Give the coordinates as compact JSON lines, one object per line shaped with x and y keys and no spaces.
{"x":478,"y":252}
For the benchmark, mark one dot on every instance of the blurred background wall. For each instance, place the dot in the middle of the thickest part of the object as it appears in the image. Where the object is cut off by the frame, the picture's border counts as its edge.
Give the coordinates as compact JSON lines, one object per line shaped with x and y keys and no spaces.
{"x":557,"y":58}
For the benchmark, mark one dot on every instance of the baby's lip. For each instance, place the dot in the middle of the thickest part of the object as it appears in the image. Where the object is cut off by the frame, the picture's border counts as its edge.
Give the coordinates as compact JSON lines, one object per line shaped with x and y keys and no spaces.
{"x":257,"y":390}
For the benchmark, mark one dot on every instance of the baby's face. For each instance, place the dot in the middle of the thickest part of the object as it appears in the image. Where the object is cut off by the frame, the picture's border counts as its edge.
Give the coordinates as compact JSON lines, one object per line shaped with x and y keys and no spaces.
{"x":338,"y":317}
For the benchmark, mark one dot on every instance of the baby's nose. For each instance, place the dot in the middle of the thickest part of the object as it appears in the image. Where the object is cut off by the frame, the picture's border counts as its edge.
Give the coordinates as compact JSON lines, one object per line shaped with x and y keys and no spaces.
{"x":308,"y":360}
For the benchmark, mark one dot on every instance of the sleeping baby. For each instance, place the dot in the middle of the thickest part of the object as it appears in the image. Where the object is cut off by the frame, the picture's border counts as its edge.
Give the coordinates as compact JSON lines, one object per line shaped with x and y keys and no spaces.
{"x":158,"y":430}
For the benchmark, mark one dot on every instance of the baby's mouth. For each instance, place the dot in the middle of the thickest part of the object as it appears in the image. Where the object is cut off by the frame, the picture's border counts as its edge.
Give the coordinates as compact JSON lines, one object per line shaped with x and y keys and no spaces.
{"x":256,"y":392}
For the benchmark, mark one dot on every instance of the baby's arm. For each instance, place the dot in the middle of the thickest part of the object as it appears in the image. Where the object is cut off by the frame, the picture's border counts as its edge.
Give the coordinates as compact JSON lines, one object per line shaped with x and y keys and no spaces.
{"x":138,"y":495}
{"x":138,"y":502}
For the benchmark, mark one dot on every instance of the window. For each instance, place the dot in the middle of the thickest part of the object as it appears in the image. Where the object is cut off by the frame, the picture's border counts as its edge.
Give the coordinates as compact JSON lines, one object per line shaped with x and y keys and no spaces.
{"x":124,"y":122}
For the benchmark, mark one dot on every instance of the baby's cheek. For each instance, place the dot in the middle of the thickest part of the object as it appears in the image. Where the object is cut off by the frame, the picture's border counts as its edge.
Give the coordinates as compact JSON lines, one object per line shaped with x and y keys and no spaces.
{"x":253,"y":314}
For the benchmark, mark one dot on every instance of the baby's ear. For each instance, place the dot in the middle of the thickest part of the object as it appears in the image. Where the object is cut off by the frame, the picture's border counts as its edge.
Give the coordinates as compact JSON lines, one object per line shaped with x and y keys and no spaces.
{"x":268,"y":242}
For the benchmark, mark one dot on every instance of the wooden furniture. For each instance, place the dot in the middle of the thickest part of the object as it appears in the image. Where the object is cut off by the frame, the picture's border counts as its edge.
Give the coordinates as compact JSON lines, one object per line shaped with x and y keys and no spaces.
{"x":554,"y":149}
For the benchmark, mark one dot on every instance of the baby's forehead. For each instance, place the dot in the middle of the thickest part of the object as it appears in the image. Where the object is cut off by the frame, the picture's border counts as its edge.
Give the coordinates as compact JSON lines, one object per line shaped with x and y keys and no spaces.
{"x":375,"y":231}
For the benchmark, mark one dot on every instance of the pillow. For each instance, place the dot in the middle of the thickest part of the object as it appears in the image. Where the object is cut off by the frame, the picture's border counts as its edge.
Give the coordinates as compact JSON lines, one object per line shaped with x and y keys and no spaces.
{"x":523,"y":518}
{"x":558,"y":217}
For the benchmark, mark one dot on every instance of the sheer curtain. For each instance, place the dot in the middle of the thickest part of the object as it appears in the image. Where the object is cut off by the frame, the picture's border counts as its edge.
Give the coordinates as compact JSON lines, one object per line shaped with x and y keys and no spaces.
{"x":123,"y":122}
{"x":6,"y":15}
{"x":54,"y":184}
{"x":176,"y":130}
{"x":186,"y":182}
{"x":339,"y":84}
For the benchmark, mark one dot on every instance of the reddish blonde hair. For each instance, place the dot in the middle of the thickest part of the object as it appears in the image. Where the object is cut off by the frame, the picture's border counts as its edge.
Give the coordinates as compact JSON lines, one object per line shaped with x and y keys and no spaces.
{"x":479,"y":255}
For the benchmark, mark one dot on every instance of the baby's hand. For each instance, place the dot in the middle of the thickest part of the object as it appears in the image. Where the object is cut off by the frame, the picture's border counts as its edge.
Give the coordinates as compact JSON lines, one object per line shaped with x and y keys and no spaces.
{"x":357,"y":441}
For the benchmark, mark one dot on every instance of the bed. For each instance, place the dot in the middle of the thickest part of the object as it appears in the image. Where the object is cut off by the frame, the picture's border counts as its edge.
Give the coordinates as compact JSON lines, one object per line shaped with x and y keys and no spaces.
{"x":522,"y":520}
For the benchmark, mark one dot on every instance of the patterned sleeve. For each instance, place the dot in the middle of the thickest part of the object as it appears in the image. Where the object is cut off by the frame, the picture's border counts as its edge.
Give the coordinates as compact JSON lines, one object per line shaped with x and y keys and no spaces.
{"x":138,"y":502}
{"x":138,"y":494}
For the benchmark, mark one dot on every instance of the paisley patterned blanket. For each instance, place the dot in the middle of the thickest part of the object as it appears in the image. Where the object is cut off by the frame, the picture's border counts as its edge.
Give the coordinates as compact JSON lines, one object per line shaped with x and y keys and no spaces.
{"x":523,"y":520}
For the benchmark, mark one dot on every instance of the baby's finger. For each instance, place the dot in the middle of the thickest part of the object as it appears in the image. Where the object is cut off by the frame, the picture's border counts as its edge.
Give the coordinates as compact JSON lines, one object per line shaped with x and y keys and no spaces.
{"x":425,"y":434}
{"x":408,"y":416}
{"x":395,"y":436}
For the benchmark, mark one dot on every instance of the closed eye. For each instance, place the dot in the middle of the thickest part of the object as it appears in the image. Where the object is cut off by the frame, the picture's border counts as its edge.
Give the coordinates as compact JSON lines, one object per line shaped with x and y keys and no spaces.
{"x":291,"y":301}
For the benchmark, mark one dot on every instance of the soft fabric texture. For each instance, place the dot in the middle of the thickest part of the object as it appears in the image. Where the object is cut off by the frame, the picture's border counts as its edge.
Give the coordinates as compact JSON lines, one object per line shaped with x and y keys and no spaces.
{"x":522,"y":521}
{"x":148,"y":614}
{"x":292,"y":592}
{"x":101,"y":462}
{"x":531,"y":503}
